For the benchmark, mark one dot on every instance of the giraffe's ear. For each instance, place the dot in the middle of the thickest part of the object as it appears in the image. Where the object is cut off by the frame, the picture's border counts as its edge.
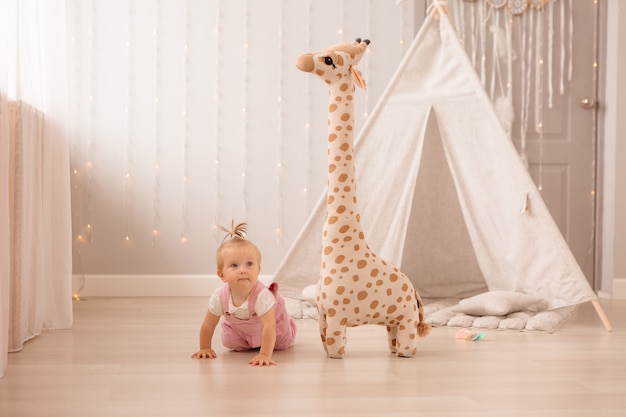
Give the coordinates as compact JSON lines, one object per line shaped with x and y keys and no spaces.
{"x":358,"y":77}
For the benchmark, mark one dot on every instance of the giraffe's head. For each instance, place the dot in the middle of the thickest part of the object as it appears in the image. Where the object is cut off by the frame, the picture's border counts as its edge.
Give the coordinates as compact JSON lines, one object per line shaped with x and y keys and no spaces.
{"x":337,"y":63}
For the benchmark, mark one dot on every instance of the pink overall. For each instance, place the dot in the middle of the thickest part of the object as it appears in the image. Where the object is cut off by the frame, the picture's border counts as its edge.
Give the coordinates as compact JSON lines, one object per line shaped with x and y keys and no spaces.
{"x":240,"y":334}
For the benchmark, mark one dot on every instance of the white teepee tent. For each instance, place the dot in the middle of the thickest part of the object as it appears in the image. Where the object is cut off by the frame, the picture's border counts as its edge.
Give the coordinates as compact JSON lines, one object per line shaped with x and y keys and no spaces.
{"x":443,"y":193}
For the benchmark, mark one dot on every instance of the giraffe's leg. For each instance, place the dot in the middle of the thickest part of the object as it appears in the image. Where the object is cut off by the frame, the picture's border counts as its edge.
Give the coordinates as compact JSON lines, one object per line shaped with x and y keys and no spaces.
{"x":335,"y":338}
{"x":323,"y":326}
{"x":392,"y":334}
{"x":406,"y":341}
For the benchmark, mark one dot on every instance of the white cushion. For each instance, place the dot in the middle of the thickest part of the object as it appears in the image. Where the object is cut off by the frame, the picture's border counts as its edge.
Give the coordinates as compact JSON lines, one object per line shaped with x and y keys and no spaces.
{"x":496,"y":303}
{"x":309,"y":293}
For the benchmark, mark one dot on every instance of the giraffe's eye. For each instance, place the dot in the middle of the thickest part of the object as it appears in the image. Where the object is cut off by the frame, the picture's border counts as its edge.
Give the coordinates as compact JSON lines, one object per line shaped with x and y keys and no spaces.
{"x":329,"y":61}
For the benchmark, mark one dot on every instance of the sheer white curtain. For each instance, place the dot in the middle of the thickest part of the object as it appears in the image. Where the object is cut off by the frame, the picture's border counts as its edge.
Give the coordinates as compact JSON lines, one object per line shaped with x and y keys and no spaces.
{"x":35,"y":218}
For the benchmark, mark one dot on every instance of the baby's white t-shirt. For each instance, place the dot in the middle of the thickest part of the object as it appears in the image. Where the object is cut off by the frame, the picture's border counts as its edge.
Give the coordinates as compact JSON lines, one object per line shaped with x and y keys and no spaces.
{"x":264,"y":302}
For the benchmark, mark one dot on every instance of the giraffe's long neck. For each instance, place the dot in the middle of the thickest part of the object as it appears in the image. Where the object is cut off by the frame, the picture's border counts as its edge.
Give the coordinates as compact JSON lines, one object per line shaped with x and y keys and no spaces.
{"x":342,"y":211}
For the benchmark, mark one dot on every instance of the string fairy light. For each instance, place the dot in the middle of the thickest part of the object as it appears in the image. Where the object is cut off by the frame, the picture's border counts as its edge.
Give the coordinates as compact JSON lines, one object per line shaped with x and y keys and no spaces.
{"x":570,"y":43}
{"x":562,"y":49}
{"x":368,"y":51}
{"x":128,"y":115}
{"x":402,"y":28}
{"x":342,"y":20}
{"x":244,"y":112}
{"x":309,"y":114}
{"x":90,"y":127}
{"x":75,"y":97}
{"x":538,"y":120}
{"x":75,"y":85}
{"x":483,"y":39}
{"x":526,"y":54}
{"x":494,"y":57}
{"x":218,"y":118}
{"x":279,"y":130}
{"x":157,"y":126}
{"x":460,"y":20}
{"x":594,"y":127}
{"x":550,"y":53}
{"x":473,"y":41}
{"x":83,"y":172}
{"x":185,"y":117}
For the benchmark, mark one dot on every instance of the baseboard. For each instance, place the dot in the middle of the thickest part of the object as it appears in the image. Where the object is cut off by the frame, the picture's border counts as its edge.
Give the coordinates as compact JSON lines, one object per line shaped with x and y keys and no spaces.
{"x":619,"y":289}
{"x":147,"y":285}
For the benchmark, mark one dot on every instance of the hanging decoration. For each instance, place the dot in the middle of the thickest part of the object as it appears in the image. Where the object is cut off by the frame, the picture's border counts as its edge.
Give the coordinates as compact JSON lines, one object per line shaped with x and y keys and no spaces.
{"x":497,"y":3}
{"x":514,"y":35}
{"x":542,"y":28}
{"x":517,"y":7}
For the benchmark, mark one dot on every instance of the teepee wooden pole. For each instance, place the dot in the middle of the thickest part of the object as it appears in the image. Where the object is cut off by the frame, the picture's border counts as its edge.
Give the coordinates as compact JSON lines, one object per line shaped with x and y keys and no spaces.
{"x":603,"y":317}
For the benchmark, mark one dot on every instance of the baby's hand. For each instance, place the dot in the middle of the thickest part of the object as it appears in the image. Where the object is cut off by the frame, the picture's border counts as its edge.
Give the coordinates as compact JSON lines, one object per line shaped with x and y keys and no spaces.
{"x":262,"y":360}
{"x":207,"y":353}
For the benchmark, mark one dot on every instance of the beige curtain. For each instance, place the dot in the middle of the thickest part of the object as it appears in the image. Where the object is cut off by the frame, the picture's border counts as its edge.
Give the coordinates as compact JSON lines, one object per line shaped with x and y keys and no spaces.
{"x":35,"y":218}
{"x":4,"y":233}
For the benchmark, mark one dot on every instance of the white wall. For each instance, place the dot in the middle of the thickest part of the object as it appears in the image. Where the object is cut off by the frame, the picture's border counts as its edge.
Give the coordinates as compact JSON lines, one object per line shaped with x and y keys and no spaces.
{"x":126,"y":54}
{"x":613,"y":139}
{"x":207,"y":90}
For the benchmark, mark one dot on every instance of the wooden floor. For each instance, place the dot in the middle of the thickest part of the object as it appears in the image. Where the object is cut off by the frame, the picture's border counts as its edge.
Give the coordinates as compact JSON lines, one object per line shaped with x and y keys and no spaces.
{"x":131,"y":357}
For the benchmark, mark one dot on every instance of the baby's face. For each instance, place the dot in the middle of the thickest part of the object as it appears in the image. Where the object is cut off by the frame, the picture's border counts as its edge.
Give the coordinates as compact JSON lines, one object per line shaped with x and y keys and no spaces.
{"x":241,"y":266}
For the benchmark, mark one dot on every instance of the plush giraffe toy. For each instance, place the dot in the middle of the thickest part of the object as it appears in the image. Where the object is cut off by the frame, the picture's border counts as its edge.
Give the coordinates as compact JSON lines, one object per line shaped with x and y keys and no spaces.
{"x":355,"y":286}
